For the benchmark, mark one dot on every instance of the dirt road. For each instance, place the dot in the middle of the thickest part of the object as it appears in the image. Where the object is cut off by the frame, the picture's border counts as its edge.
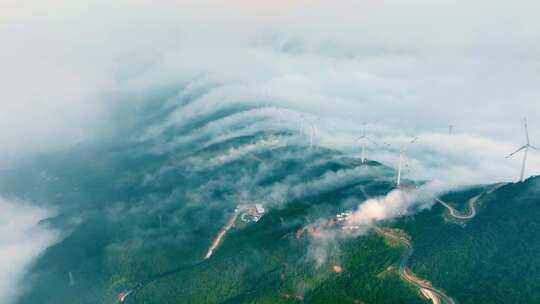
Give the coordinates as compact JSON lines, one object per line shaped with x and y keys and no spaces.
{"x":123,"y":296}
{"x":471,"y":204}
{"x":221,"y":234}
{"x":435,"y":295}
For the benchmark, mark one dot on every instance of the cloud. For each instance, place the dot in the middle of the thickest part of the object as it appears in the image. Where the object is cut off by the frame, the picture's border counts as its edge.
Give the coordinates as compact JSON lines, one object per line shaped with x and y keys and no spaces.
{"x":404,"y":66}
{"x":73,"y":71}
{"x":370,"y":212}
{"x":396,"y":203}
{"x":22,"y":240}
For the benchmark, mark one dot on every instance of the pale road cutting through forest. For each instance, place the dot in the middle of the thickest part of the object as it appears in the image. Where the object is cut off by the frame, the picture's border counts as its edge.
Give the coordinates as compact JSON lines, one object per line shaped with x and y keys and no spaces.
{"x":122,"y":297}
{"x":471,"y":204}
{"x":436,"y":296}
{"x":222,"y":234}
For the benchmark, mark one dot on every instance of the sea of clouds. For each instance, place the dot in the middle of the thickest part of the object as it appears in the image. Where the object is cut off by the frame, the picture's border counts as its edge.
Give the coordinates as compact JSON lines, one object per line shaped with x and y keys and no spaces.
{"x":405,"y":68}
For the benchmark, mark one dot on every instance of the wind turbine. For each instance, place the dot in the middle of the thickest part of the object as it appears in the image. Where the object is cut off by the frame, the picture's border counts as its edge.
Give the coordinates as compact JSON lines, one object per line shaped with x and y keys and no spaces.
{"x":311,"y":125}
{"x":71,"y":280}
{"x":311,"y":134}
{"x":362,"y":139}
{"x":301,"y":124}
{"x":402,"y":157}
{"x":450,"y":129}
{"x":525,"y":148}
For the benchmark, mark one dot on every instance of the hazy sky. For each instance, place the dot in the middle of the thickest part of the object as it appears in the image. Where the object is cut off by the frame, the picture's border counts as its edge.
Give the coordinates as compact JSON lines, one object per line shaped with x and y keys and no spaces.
{"x":419,"y":65}
{"x":405,"y":67}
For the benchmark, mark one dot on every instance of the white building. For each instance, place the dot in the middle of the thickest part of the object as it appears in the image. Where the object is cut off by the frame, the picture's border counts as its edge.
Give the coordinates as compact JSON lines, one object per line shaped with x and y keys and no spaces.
{"x":260,"y":208}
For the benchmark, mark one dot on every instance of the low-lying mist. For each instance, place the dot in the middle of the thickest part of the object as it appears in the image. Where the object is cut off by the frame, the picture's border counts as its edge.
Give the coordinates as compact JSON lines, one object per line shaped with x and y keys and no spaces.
{"x":22,"y":239}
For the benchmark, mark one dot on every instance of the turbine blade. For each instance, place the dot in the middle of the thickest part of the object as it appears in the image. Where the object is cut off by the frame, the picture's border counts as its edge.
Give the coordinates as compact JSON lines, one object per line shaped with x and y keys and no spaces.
{"x":371,"y":141}
{"x":360,"y":138}
{"x":512,"y":154}
{"x":406,"y":148}
{"x":534,"y":147}
{"x":364,"y":130}
{"x":383,"y":144}
{"x":526,"y":130}
{"x":387,"y":144}
{"x":405,"y":158}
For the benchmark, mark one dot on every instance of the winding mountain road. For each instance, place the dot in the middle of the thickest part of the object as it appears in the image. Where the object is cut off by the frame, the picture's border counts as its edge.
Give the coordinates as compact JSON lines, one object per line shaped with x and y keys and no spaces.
{"x":471,"y":204}
{"x":454,"y":213}
{"x":436,"y":296}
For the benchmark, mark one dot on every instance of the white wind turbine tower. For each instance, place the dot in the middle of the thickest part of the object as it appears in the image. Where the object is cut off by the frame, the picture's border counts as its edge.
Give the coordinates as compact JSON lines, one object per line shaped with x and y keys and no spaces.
{"x":312,"y":129}
{"x":71,"y":280}
{"x":401,"y":159}
{"x":525,"y":149}
{"x":362,"y":139}
{"x":301,"y":125}
{"x":311,"y":134}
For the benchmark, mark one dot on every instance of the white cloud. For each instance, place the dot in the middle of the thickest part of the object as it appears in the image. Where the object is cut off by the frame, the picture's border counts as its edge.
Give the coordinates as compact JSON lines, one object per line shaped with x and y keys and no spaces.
{"x":22,"y":240}
{"x":407,"y":67}
{"x":395,"y":204}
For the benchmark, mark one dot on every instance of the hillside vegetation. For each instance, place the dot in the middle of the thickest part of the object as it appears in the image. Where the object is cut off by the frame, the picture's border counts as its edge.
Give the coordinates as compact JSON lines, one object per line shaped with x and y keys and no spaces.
{"x":492,"y":258}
